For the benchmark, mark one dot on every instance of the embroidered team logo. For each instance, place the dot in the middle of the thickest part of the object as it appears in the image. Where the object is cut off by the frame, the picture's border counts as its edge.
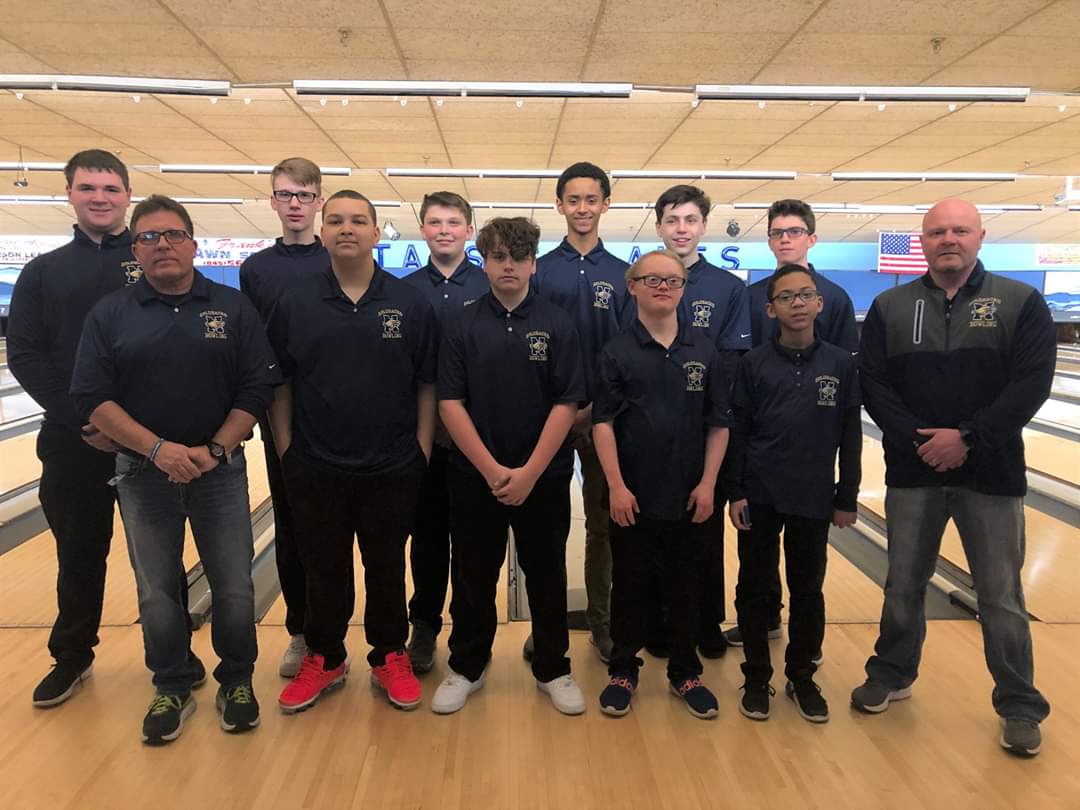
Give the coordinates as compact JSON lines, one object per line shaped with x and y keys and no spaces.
{"x":214,"y":321}
{"x":538,"y":346}
{"x":132,"y":271}
{"x":391,"y":323}
{"x":827,"y":389}
{"x":695,"y":376}
{"x":702,"y":313}
{"x":984,"y":312}
{"x":602,"y":294}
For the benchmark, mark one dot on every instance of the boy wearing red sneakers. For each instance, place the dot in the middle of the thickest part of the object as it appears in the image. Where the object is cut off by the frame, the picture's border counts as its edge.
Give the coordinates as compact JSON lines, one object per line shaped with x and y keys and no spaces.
{"x":354,"y":425}
{"x":660,"y":417}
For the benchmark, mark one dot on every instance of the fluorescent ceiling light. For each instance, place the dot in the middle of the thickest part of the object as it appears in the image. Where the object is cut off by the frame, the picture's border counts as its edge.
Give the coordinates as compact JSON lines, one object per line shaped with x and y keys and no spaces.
{"x":115,"y":84}
{"x":31,"y":199}
{"x":701,"y":174}
{"x":818,"y":92}
{"x":1074,"y":207}
{"x":306,"y":87}
{"x":925,"y":176}
{"x":515,"y":205}
{"x":480,"y":173}
{"x":629,"y":205}
{"x":18,"y":166}
{"x":238,"y":168}
{"x":209,"y":200}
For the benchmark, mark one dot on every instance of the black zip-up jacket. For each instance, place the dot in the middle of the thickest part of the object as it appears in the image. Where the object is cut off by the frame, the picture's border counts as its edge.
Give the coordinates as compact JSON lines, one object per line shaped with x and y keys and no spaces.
{"x":982,"y":362}
{"x":52,"y":296}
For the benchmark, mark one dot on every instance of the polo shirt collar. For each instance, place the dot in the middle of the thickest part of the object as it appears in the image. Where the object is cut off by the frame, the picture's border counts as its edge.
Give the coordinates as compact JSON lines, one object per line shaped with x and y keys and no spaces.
{"x":973,"y":281}
{"x":332,"y":288}
{"x":297,"y":250}
{"x":109,"y":240}
{"x":520,"y":311}
{"x":435,"y":275}
{"x":145,"y":292}
{"x":593,"y":256}
{"x":684,"y":337}
{"x":790,"y":354}
{"x":697,"y":268}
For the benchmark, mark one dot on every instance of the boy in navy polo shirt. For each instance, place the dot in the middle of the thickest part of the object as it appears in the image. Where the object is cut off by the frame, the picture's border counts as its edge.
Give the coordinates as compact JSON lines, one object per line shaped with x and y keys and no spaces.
{"x":587,"y":281}
{"x":792,"y":232}
{"x":715,"y":305}
{"x":660,"y":393}
{"x":296,"y":198}
{"x":796,"y":402}
{"x":510,"y":383}
{"x":354,"y":425}
{"x":449,"y":281}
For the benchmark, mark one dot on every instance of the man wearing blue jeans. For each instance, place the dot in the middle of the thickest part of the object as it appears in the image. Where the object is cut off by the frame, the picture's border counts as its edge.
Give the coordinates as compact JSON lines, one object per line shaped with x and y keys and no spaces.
{"x":175,"y":371}
{"x":954,"y":364}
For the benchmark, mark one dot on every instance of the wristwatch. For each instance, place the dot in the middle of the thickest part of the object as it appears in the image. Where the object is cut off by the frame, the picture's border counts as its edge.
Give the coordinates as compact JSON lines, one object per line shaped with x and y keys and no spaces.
{"x":218,"y":452}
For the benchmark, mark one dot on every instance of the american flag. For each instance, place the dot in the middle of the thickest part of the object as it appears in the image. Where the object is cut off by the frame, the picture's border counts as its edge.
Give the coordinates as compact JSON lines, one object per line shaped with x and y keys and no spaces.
{"x":900,"y":253}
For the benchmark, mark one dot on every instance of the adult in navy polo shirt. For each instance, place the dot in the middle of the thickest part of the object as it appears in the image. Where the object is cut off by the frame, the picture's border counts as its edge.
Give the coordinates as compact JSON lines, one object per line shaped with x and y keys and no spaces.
{"x":354,"y":426}
{"x":791,"y":231}
{"x":175,"y":371}
{"x":449,"y":281}
{"x":510,"y":383}
{"x":296,"y":198}
{"x":52,"y":296}
{"x":660,"y":394}
{"x":714,"y":303}
{"x":588,"y":282}
{"x":796,"y":403}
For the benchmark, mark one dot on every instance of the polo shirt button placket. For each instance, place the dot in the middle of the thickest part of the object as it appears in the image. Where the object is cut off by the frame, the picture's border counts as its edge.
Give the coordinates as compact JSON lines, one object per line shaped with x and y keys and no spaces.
{"x":509,"y":328}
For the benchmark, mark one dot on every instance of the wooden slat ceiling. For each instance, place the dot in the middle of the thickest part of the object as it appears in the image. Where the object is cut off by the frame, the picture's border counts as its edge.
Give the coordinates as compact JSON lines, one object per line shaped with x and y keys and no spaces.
{"x":262,"y":46}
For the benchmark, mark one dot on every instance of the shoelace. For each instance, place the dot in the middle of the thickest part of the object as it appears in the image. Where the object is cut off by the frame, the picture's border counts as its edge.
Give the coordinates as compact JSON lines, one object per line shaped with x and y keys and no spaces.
{"x":399,"y":667}
{"x":163,"y":703}
{"x":240,"y":694}
{"x":761,"y":688}
{"x":688,"y":684}
{"x":310,"y":671}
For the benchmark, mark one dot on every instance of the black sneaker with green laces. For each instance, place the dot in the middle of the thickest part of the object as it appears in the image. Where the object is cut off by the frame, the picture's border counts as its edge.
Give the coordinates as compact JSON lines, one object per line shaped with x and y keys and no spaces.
{"x":238,"y":708}
{"x":165,"y":718}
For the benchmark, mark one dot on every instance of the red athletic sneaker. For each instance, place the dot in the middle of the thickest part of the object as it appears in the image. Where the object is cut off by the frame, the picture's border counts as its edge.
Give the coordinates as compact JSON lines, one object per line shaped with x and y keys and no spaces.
{"x":396,"y":678}
{"x":310,"y":682}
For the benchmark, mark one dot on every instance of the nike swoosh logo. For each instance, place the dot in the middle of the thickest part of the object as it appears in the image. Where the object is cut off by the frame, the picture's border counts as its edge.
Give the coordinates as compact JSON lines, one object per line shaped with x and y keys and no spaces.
{"x":746,"y":335}
{"x":274,"y":365}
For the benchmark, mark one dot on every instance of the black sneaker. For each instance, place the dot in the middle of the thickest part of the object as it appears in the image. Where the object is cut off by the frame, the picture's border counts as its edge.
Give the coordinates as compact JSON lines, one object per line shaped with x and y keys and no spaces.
{"x":63,"y":680}
{"x":1020,"y":737}
{"x":808,"y":700}
{"x":165,"y":718}
{"x":755,"y":700}
{"x":200,"y":670}
{"x":528,"y":649}
{"x":421,"y":648}
{"x":615,"y":699}
{"x":734,"y":638}
{"x":238,"y":708}
{"x":700,"y":702}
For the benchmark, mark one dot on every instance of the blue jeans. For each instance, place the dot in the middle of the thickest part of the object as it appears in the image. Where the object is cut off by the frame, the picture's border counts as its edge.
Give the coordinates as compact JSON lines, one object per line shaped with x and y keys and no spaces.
{"x":991,"y":528}
{"x":154,"y":512}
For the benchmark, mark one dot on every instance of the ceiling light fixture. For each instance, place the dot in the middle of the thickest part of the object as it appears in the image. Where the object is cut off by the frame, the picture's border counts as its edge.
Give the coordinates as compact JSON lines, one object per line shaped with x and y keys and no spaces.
{"x":305,"y":87}
{"x":1001,"y":177}
{"x":115,"y":84}
{"x":235,"y":168}
{"x":479,"y":173}
{"x":30,"y":166}
{"x":701,"y":174}
{"x":817,"y":92}
{"x":515,"y":205}
{"x":31,"y":199}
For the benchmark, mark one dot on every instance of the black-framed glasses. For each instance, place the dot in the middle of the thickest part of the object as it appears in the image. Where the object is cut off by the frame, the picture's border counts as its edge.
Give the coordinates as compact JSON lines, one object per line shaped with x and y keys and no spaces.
{"x":174,"y":236}
{"x":787,"y":296}
{"x":673,"y":282}
{"x":792,"y":233}
{"x":306,"y":197}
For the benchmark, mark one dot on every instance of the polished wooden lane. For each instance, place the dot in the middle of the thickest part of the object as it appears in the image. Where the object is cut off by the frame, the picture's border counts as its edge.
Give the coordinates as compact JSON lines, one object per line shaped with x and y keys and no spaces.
{"x":20,"y":462}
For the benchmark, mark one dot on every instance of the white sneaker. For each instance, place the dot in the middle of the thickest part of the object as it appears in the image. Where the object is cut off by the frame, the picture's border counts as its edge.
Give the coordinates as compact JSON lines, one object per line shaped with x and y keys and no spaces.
{"x":294,"y":654}
{"x":453,"y":692}
{"x":564,"y":693}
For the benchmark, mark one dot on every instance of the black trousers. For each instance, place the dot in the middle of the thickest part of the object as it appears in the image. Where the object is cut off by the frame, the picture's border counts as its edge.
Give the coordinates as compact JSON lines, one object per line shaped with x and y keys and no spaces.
{"x":330,"y":509}
{"x":671,"y":551}
{"x":479,"y":524}
{"x":78,"y":505}
{"x":429,"y":552}
{"x":805,"y":550}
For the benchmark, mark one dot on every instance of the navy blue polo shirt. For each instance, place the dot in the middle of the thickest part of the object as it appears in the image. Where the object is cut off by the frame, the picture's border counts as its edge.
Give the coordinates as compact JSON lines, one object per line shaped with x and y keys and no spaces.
{"x":355,"y":370}
{"x":592,"y":289}
{"x":790,"y":407}
{"x":835,"y":323}
{"x":264,"y":276}
{"x":510,"y":368}
{"x":662,"y":400}
{"x":465,"y":285}
{"x":176,"y":364}
{"x":715,"y":303}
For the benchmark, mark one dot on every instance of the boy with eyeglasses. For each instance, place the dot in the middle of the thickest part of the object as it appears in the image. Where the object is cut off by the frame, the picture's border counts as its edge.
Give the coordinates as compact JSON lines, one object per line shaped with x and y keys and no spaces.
{"x":796,"y":403}
{"x":296,"y":197}
{"x":660,"y":394}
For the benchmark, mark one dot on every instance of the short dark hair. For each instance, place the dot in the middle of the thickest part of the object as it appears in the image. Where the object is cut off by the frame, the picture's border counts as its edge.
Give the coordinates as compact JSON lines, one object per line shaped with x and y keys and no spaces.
{"x":447,"y":199}
{"x":786,"y":270}
{"x":159,"y":202}
{"x":518,"y":236}
{"x":299,"y":170}
{"x":96,"y":159}
{"x":587,"y":170}
{"x":680,"y":195}
{"x":349,"y":194}
{"x":793,"y":208}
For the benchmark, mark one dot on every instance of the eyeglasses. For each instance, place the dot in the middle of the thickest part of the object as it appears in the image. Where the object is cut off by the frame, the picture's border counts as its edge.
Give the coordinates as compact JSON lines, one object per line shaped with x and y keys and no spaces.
{"x":787,"y":296}
{"x":792,"y":233}
{"x":174,"y":236}
{"x":306,"y":197}
{"x":673,"y":282}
